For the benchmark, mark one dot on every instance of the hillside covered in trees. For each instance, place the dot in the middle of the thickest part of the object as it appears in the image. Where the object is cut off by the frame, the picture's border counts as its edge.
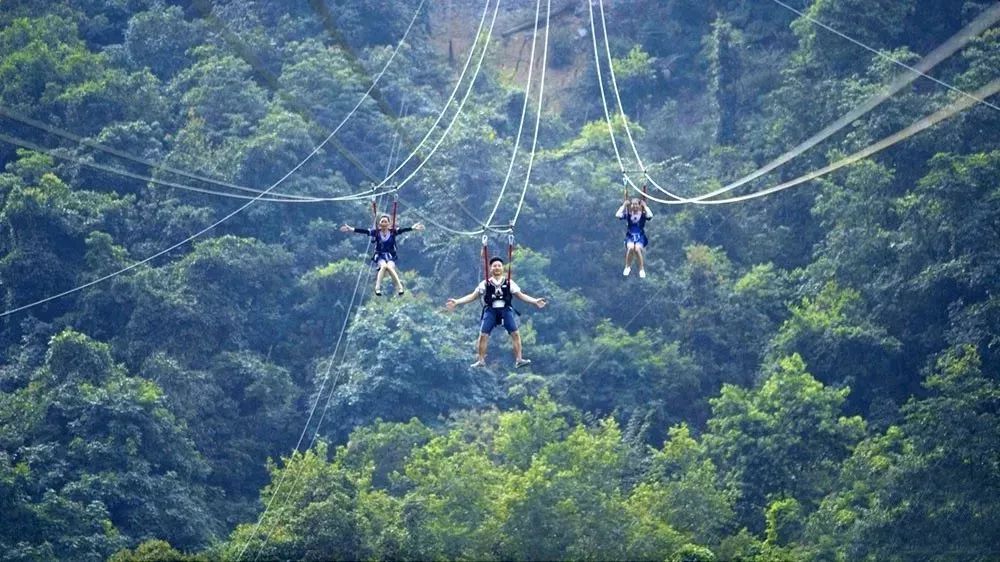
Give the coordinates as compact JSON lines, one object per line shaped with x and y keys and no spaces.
{"x":193,"y":365}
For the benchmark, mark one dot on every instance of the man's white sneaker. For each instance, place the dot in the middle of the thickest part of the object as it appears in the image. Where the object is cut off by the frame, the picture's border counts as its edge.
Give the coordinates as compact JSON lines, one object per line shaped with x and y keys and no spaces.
{"x":626,"y":271}
{"x":642,"y":273}
{"x":479,"y":363}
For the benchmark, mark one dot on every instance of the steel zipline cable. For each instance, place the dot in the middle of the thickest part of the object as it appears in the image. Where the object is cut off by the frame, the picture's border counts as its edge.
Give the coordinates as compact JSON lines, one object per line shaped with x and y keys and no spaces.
{"x":927,"y":122}
{"x":10,"y":114}
{"x":458,"y":111}
{"x":984,"y":21}
{"x":538,"y":116}
{"x":916,"y":70}
{"x":479,"y":37}
{"x":524,"y":112}
{"x":487,"y":225}
{"x":374,"y":191}
{"x":365,"y":266}
{"x":279,"y":197}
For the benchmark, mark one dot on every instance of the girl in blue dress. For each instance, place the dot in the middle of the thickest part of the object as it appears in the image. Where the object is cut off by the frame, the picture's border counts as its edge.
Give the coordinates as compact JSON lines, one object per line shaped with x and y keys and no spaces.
{"x":635,"y":213}
{"x":384,"y":238}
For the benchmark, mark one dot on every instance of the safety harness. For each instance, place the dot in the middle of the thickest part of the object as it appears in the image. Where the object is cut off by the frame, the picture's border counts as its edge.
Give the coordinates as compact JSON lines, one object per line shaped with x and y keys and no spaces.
{"x":497,"y":298}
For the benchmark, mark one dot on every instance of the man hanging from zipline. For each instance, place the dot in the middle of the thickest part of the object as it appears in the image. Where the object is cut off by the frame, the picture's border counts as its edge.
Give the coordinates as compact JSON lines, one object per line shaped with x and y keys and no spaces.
{"x":497,"y":292}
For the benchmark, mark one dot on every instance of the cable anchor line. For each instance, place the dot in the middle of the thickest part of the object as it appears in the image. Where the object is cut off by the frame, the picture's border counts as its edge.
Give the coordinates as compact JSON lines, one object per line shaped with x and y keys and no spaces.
{"x":982,"y":22}
{"x":240,"y":209}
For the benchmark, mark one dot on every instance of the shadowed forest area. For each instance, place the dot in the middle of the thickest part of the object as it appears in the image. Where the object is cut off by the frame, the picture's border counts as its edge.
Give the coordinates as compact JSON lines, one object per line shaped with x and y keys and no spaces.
{"x":194,"y":367}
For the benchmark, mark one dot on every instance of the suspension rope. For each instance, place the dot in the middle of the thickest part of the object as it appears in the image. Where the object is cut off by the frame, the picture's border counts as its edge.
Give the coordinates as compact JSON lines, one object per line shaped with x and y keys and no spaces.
{"x":604,"y":99}
{"x":614,"y":82}
{"x":618,"y":99}
{"x":949,"y":47}
{"x":995,"y":9}
{"x":55,"y":153}
{"x":958,"y":106}
{"x":395,"y":204}
{"x":422,"y":214}
{"x":371,"y":191}
{"x":312,"y":410}
{"x":538,"y":115}
{"x":326,"y":377}
{"x":10,"y":114}
{"x":524,"y":111}
{"x":486,"y":258}
{"x":479,"y":38}
{"x":510,"y":256}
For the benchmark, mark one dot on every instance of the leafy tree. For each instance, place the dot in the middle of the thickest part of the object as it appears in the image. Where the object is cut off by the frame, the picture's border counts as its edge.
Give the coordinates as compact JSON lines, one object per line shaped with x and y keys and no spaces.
{"x":311,"y":515}
{"x":229,"y":292}
{"x":842,"y":347}
{"x":43,"y":57}
{"x":100,"y":460}
{"x":140,"y":138}
{"x":724,"y":49}
{"x":218,"y":91}
{"x":785,"y":438}
{"x":951,"y":247}
{"x":384,"y":448}
{"x":682,"y":489}
{"x":884,"y":22}
{"x":451,"y":511}
{"x":635,"y":75}
{"x":43,"y":228}
{"x":112,"y":95}
{"x":406,"y":360}
{"x":923,"y":490}
{"x":159,"y":39}
{"x":373,"y":22}
{"x":870,"y":275}
{"x":324,"y":302}
{"x":636,"y":375}
{"x":155,"y":550}
{"x":569,"y":502}
{"x":521,"y":434}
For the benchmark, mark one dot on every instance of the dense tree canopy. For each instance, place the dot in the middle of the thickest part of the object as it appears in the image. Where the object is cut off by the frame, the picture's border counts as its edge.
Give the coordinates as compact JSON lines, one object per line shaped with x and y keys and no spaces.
{"x":810,"y":375}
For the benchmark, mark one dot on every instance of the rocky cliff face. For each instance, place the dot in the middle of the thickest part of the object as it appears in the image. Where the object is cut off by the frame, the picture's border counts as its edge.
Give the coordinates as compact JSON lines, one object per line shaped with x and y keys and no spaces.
{"x":454,"y":22}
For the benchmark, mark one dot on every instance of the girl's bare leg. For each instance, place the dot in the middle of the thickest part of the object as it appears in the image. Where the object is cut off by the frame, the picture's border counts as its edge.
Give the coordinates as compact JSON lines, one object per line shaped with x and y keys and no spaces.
{"x":395,"y":276}
{"x":378,"y":276}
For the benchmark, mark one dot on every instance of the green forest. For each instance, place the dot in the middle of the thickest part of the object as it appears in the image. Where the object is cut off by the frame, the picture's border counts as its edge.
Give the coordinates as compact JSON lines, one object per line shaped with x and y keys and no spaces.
{"x":194,"y":365}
